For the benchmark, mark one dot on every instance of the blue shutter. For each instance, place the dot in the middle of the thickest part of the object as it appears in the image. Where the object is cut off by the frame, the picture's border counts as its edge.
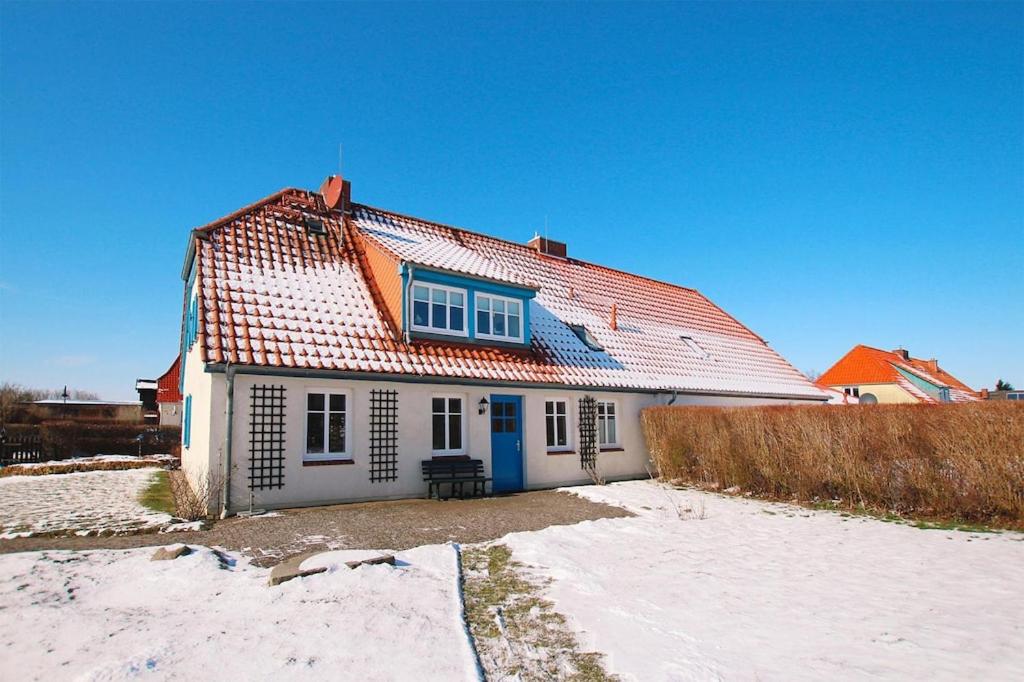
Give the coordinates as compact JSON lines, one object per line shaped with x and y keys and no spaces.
{"x":186,"y":431}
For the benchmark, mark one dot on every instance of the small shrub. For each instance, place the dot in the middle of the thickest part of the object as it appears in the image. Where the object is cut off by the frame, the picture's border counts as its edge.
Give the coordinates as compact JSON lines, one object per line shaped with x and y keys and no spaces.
{"x":961,"y":462}
{"x":194,"y":503}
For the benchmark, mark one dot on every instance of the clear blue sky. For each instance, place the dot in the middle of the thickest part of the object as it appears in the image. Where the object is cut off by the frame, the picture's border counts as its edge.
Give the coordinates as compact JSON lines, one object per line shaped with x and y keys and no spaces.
{"x":829,"y":174}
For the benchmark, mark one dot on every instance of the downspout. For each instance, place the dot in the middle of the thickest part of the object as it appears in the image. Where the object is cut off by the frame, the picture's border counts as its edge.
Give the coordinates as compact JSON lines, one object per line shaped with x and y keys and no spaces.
{"x":675,"y":394}
{"x":407,"y":307}
{"x":230,"y":409}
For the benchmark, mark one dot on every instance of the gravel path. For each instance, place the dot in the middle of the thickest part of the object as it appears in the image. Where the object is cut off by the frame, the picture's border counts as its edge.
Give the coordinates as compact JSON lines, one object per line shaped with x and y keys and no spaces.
{"x":372,"y":525}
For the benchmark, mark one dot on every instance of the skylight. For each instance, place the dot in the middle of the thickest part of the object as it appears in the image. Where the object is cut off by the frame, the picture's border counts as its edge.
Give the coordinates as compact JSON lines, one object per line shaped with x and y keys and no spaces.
{"x":695,"y":347}
{"x":314,"y":225}
{"x":586,"y":337}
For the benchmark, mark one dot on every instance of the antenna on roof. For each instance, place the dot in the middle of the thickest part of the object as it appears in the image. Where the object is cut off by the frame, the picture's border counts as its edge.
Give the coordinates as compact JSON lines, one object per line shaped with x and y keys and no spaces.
{"x":341,"y":158}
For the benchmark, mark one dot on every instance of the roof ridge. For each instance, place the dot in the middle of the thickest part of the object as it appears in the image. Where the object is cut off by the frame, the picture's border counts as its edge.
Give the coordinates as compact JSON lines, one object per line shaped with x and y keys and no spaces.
{"x":234,"y":215}
{"x":529,"y":249}
{"x":523,"y":247}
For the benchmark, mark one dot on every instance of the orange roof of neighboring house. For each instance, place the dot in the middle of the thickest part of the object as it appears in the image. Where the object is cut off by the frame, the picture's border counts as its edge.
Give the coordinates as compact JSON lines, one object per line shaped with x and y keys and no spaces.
{"x":867,"y":365}
{"x":272,"y":295}
{"x":167,"y":385}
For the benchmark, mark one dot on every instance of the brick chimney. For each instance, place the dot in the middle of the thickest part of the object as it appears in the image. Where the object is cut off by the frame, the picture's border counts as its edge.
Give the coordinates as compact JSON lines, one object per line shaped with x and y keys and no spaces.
{"x":902,"y":352}
{"x":547,"y":246}
{"x":983,"y":394}
{"x":933,"y":366}
{"x":615,"y":317}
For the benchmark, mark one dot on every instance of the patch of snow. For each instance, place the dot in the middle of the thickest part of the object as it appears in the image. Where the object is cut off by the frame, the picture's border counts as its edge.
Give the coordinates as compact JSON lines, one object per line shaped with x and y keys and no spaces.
{"x":95,"y":459}
{"x":756,"y":590}
{"x":82,"y":503}
{"x":183,"y":526}
{"x":116,"y":615}
{"x":336,"y":559}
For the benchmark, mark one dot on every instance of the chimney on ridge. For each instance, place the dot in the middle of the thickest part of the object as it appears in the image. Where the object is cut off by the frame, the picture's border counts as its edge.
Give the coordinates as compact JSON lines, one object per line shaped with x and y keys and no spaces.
{"x":902,"y":352}
{"x":933,"y":366}
{"x":548,"y":247}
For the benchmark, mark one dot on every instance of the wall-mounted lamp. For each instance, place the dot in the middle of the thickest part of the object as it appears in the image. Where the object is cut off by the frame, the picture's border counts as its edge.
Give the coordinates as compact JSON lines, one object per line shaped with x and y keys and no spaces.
{"x":482,"y":405}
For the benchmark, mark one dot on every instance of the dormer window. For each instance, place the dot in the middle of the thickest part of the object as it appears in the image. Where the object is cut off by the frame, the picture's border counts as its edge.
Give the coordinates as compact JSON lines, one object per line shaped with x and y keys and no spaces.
{"x":439,"y":309}
{"x":499,"y":318}
{"x":586,"y":337}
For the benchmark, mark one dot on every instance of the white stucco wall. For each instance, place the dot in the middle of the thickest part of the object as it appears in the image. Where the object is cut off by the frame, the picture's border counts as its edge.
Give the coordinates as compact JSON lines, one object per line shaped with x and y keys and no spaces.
{"x":306,"y":484}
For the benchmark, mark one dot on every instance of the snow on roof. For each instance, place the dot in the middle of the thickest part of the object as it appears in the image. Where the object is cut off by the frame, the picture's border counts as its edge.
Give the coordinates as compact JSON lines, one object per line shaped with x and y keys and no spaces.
{"x":273,"y":295}
{"x":144,"y":384}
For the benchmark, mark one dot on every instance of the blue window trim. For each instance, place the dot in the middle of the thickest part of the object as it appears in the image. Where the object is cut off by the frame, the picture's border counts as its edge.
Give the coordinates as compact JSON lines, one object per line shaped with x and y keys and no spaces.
{"x":472,"y":287}
{"x":186,"y":431}
{"x":191,"y":313}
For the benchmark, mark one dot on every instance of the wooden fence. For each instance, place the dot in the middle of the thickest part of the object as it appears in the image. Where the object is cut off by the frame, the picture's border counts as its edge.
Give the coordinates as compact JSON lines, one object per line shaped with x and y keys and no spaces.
{"x":24,"y":449}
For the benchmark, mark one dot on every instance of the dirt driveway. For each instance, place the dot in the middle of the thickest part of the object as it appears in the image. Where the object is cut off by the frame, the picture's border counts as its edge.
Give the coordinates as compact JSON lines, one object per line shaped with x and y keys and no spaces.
{"x":371,"y":525}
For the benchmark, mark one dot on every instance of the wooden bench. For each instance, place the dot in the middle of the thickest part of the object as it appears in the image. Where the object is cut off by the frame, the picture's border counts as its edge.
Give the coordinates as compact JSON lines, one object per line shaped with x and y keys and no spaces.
{"x":457,"y":473}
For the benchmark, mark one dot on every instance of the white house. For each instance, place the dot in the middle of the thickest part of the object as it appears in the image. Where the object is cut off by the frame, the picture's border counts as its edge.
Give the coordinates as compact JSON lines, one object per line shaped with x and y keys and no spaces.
{"x":328,"y":347}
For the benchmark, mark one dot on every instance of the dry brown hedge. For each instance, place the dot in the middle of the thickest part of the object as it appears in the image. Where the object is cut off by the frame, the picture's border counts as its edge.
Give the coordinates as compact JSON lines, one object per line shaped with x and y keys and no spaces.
{"x":960,"y":462}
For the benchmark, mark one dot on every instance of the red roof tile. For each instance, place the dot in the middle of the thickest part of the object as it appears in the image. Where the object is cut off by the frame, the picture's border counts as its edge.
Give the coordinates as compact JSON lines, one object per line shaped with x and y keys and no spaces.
{"x":271,"y":294}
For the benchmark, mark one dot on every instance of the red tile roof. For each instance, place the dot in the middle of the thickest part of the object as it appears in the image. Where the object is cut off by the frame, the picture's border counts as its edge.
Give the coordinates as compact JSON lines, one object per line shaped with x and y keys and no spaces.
{"x":273,"y":295}
{"x":867,"y":365}
{"x":167,"y":385}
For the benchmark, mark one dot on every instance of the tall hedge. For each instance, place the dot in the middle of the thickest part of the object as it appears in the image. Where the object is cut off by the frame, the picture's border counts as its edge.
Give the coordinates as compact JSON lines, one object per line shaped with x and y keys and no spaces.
{"x":957,"y":461}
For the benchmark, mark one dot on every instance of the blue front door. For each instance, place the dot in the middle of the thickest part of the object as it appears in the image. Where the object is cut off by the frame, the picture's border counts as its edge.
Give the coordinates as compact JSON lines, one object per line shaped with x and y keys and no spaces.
{"x":507,"y":442}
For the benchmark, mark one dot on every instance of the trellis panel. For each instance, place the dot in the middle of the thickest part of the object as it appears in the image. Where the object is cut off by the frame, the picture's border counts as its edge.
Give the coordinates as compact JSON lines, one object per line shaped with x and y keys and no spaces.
{"x":383,"y":435}
{"x":266,"y":437}
{"x":588,"y":433}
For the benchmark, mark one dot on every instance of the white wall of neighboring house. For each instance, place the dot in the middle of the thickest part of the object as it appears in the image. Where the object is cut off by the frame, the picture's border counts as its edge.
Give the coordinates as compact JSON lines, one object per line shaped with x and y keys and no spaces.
{"x":170,"y":413}
{"x":887,"y":394}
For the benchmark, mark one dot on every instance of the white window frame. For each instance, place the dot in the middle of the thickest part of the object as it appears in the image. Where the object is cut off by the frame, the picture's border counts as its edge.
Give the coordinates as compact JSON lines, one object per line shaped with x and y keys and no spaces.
{"x":597,"y":418}
{"x":852,"y":391}
{"x":327,"y":456}
{"x":568,"y":424}
{"x":431,"y":287}
{"x":464,"y":433}
{"x":506,"y":300}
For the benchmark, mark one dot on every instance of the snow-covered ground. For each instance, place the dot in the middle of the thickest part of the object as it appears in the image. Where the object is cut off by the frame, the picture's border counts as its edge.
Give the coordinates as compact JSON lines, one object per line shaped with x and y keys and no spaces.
{"x":86,"y":502}
{"x":775,"y":592}
{"x":116,"y":615}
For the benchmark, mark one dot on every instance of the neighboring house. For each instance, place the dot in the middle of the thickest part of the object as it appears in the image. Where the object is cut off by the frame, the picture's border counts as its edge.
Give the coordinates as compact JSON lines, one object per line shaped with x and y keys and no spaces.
{"x":1013,"y":394}
{"x":168,"y":395}
{"x":328,"y":347}
{"x":161,"y":398}
{"x":837,"y":397}
{"x":880,"y":376}
{"x":81,"y":410}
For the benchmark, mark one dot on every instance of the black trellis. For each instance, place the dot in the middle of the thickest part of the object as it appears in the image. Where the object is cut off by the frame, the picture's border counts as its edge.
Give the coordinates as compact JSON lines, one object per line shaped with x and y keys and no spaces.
{"x":588,"y":433}
{"x":266,"y":437}
{"x":383,"y":435}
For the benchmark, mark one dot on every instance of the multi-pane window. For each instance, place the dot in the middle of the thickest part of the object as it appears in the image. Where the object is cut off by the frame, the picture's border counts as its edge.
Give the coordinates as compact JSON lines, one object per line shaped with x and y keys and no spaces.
{"x":556,"y":419}
{"x":447,"y":425}
{"x":327,"y":425}
{"x":853,"y":391}
{"x":607,"y":423}
{"x":186,"y":427}
{"x":499,"y":318}
{"x":439,"y":309}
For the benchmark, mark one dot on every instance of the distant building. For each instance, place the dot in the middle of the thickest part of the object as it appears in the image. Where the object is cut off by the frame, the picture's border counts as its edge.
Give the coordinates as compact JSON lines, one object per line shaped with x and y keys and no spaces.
{"x":82,"y":410}
{"x":168,"y":395}
{"x":1015,"y":394}
{"x":161,"y":398}
{"x":878,"y":376}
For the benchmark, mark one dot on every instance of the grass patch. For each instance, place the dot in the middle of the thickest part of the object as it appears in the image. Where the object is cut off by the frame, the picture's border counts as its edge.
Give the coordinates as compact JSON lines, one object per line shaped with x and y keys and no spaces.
{"x":518,"y":633}
{"x":158,"y":495}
